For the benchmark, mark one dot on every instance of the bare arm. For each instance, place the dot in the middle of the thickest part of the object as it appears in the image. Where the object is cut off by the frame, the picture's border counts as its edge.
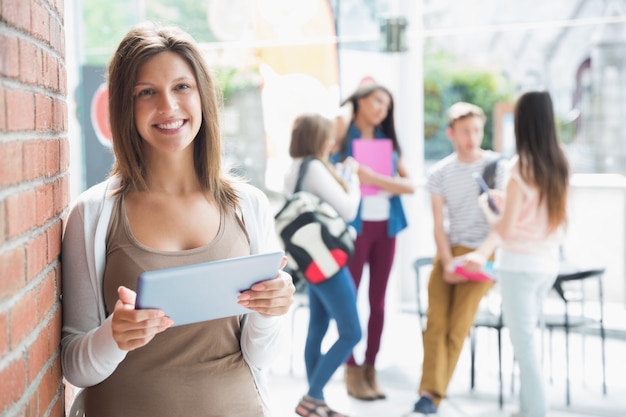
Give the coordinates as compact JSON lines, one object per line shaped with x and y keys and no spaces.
{"x":400,"y":184}
{"x":501,"y":228}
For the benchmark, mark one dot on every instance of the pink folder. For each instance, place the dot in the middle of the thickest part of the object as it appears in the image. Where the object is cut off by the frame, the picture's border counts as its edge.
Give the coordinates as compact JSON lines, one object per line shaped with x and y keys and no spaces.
{"x":486,"y":274}
{"x":376,"y":154}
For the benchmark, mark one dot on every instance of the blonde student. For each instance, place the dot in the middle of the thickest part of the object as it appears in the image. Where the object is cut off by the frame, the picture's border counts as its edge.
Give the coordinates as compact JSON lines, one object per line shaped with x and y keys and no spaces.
{"x":452,"y":299}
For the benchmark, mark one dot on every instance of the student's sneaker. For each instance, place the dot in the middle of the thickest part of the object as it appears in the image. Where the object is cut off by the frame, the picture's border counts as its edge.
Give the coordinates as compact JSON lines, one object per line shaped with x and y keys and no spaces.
{"x":423,"y":406}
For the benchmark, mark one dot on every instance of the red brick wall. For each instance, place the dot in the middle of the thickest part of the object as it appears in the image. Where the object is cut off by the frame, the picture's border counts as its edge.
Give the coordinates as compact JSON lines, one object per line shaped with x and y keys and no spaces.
{"x":33,"y":198}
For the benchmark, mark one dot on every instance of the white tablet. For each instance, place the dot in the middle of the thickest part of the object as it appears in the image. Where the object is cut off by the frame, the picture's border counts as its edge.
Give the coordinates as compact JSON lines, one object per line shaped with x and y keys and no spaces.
{"x":205,"y":291}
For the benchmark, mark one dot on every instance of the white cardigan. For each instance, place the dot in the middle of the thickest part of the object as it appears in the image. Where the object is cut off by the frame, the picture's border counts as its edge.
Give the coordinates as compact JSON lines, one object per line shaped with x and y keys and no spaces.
{"x":89,"y":354}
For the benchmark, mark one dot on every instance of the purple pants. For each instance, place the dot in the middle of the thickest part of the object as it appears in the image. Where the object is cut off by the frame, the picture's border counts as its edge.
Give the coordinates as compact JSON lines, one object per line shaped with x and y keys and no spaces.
{"x":374,"y":247}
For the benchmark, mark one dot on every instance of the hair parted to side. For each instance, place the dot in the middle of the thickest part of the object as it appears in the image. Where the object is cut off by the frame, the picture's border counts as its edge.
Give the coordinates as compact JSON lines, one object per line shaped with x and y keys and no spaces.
{"x":309,"y":136}
{"x":463,"y":110}
{"x":387,"y":126}
{"x":141,"y":43}
{"x":541,"y":157}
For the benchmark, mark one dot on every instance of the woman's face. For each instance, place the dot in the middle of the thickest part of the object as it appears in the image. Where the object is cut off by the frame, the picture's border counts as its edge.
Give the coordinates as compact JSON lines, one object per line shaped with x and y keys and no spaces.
{"x":374,"y":107}
{"x":168,"y":111}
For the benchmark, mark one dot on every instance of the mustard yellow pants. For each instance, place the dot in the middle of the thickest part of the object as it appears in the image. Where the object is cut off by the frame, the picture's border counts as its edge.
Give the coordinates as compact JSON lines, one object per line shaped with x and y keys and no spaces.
{"x":451,"y":311}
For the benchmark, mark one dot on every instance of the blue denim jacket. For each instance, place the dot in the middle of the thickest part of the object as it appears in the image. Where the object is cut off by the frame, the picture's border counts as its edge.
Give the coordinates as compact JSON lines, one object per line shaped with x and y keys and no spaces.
{"x":397,"y":219}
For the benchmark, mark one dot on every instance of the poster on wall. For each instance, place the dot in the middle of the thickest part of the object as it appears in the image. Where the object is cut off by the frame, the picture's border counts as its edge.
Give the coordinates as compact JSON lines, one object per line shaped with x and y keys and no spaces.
{"x":94,"y":116}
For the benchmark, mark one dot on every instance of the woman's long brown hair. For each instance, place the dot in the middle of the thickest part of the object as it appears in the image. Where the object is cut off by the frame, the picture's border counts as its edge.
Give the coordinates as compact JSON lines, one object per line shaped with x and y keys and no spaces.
{"x":141,"y":43}
{"x":541,"y":157}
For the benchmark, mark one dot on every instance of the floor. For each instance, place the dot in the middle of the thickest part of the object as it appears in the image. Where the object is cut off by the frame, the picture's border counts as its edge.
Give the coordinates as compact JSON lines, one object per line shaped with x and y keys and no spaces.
{"x":399,"y":367}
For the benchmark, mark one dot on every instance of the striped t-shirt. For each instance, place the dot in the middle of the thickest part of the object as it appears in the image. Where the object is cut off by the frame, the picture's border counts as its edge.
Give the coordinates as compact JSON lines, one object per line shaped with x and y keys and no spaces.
{"x":465,"y":222}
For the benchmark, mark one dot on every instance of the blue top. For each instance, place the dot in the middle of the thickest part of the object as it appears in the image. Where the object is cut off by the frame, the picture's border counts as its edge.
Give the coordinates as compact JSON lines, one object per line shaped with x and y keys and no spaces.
{"x":397,"y":219}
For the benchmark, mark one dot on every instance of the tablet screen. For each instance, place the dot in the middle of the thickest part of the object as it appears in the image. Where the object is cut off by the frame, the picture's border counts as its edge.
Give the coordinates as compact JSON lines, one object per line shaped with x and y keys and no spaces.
{"x":205,"y":291}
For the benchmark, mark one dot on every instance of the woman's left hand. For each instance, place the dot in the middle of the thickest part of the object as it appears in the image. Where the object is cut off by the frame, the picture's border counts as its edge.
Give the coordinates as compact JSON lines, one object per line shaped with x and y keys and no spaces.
{"x":273,"y":297}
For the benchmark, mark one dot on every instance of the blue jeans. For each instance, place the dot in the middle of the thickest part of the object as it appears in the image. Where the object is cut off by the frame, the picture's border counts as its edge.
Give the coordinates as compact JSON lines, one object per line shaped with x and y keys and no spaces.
{"x":331,"y":299}
{"x":522,"y":299}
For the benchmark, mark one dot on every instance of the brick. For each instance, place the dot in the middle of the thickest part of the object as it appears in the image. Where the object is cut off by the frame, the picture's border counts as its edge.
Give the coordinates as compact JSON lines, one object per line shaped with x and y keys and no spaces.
{"x":34,"y":159}
{"x":4,"y":334}
{"x":11,"y":163}
{"x":44,"y":204}
{"x":13,"y":378}
{"x":52,"y":157}
{"x":31,"y":62}
{"x":39,"y":21}
{"x":3,"y":110}
{"x":46,"y":296}
{"x":47,"y":390}
{"x":54,"y":330}
{"x":56,"y":35}
{"x":58,"y":407}
{"x":62,"y":81}
{"x":31,"y":409}
{"x":22,"y":319}
{"x":17,"y":13}
{"x":61,"y":194}
{"x":12,"y":271}
{"x":64,"y":155}
{"x":36,"y":254}
{"x":10,"y":63}
{"x":43,"y":112}
{"x":3,"y":223}
{"x":20,"y":110}
{"x":59,"y":7}
{"x":20,"y":209}
{"x":37,"y":356}
{"x":60,"y":116}
{"x":53,"y":235}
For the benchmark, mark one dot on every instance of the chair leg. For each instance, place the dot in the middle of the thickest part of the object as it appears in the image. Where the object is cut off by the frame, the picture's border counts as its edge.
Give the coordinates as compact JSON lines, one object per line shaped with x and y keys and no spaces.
{"x":567,"y":381}
{"x":602,"y":340}
{"x":550,"y":353}
{"x":501,"y":398}
{"x":602,"y":334}
{"x":473,"y":358}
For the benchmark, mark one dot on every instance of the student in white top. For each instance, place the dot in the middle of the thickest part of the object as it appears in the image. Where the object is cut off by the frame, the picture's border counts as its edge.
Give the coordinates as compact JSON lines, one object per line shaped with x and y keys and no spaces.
{"x":528,"y":233}
{"x":335,"y":298}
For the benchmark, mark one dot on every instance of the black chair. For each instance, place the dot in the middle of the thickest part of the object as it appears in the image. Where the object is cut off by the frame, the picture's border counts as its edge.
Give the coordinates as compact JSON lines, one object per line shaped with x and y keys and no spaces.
{"x":484,"y":318}
{"x":571,"y":289}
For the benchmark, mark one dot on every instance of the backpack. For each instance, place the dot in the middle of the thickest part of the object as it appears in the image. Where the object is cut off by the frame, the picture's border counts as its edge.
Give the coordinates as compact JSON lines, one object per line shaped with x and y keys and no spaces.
{"x":316,"y":240}
{"x":489,"y":172}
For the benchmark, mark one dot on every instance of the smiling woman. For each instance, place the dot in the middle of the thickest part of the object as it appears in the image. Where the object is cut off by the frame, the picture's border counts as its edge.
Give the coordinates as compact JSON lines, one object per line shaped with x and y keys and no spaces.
{"x":168,"y":173}
{"x":167,"y":105}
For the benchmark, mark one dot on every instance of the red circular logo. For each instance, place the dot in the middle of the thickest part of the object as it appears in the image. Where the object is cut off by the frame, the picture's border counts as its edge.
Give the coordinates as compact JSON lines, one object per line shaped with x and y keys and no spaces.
{"x":100,"y":115}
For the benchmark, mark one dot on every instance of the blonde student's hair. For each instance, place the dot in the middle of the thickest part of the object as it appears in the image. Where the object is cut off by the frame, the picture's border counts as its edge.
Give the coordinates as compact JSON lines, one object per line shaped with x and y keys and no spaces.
{"x":462,"y":110}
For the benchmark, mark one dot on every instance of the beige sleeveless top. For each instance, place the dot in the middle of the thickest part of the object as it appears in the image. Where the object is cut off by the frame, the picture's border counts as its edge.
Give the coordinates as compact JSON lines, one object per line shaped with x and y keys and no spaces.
{"x":192,"y":370}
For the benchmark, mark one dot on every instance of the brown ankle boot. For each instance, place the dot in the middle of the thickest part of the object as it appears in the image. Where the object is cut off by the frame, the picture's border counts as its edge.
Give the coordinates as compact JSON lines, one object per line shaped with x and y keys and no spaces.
{"x":357,"y":385}
{"x":370,"y":377}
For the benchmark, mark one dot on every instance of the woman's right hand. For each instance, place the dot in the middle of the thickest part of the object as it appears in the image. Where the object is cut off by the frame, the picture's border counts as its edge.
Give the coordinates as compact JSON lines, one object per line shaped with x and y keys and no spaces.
{"x":132,"y":328}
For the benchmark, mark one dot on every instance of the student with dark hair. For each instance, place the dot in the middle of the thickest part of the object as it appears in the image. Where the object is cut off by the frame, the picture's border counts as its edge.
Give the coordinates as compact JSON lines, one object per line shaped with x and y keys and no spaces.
{"x":167,"y":203}
{"x":335,"y":298}
{"x":528,"y":233}
{"x":368,"y":114}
